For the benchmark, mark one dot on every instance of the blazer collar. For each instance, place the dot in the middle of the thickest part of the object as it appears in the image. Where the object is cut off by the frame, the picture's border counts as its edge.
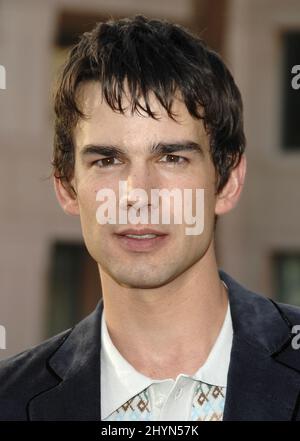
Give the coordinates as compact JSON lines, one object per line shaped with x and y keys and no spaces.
{"x":263,"y":378}
{"x":261,"y":357}
{"x":76,"y":367}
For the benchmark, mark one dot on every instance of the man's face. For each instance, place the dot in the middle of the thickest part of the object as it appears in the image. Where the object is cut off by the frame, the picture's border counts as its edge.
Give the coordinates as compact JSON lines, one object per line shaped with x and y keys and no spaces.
{"x":128,"y":262}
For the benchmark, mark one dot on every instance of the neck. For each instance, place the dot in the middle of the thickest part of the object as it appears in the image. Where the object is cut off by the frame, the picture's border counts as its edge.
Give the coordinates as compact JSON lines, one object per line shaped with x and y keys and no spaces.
{"x":171,"y":329}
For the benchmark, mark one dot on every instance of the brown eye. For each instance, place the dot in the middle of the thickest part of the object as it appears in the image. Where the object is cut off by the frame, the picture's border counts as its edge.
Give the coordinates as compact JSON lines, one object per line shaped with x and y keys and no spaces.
{"x":174,"y":159}
{"x":105,"y":162}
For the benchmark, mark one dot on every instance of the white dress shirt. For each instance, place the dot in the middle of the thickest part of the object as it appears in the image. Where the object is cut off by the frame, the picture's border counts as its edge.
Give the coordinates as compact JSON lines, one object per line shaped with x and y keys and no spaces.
{"x":169,"y":399}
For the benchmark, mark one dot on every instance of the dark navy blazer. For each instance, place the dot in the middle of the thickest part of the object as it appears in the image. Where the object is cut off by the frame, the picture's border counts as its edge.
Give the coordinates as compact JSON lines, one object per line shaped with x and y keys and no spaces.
{"x":60,"y":378}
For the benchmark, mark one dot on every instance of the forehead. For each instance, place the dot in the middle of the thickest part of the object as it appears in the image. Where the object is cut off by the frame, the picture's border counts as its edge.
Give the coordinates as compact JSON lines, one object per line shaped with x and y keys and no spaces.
{"x":109,"y":126}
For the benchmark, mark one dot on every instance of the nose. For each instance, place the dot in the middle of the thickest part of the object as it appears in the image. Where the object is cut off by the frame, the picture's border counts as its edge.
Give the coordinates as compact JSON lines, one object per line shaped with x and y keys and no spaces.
{"x":139,"y":182}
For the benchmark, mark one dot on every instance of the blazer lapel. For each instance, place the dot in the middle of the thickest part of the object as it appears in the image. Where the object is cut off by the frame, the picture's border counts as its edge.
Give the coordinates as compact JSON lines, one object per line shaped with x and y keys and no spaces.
{"x":75,"y":365}
{"x":260,"y":385}
{"x":259,"y":388}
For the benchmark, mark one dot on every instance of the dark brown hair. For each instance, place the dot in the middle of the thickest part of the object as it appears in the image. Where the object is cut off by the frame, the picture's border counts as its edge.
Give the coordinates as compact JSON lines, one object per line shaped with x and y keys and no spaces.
{"x":152,"y":56}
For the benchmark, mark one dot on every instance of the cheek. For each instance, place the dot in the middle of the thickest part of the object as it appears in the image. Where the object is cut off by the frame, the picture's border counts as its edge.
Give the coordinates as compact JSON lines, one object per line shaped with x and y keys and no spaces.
{"x":87,"y":203}
{"x":209,"y":211}
{"x":207,"y":186}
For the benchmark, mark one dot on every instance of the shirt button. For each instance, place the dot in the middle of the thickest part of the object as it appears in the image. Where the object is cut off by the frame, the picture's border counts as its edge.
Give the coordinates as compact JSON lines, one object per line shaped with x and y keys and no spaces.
{"x":178,"y":394}
{"x":160,"y":401}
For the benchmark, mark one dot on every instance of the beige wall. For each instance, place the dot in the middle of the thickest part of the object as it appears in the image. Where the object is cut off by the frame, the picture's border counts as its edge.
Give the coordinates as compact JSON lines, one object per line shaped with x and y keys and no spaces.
{"x":268,"y":216}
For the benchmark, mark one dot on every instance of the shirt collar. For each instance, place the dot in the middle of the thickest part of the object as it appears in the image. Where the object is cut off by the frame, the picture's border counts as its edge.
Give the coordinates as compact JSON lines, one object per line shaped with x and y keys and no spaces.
{"x":120,"y":381}
{"x":215,"y":369}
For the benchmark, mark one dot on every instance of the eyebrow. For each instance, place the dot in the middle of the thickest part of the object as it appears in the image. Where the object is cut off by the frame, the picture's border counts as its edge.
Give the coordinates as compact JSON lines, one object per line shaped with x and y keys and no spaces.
{"x":167,"y":148}
{"x":156,"y":149}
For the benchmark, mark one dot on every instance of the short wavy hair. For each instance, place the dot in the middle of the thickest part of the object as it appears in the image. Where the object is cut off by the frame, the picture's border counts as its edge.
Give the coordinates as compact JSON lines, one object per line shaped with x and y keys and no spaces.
{"x":151,"y":56}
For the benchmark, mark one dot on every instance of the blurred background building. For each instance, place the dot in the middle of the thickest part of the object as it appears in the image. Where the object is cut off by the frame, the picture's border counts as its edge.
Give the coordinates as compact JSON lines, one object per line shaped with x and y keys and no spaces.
{"x":48,"y":282}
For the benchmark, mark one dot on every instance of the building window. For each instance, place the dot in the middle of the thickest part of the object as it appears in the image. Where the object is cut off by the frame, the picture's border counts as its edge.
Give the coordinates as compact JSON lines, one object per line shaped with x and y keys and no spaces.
{"x":74,"y":286}
{"x":291,"y":96}
{"x":287,"y":278}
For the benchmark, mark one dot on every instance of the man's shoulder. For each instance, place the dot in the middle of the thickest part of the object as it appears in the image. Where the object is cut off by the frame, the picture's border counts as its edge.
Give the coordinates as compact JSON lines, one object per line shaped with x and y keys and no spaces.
{"x":34,"y":355}
{"x":286,"y":310}
{"x":289,"y":313}
{"x":22,"y":375}
{"x":256,"y":303}
{"x":51,"y":370}
{"x":292,"y":312}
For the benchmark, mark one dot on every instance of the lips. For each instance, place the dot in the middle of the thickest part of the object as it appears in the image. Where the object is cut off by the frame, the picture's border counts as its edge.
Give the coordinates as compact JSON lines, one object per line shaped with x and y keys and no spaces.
{"x":140,"y":232}
{"x":141,"y":239}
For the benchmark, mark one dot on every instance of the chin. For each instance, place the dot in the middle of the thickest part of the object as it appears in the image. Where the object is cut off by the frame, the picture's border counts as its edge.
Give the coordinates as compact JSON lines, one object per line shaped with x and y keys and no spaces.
{"x":141,"y":284}
{"x":141,"y":281}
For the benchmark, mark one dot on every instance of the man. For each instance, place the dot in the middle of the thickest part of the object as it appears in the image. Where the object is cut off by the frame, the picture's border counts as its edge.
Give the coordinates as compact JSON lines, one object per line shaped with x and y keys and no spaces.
{"x":145,"y":103}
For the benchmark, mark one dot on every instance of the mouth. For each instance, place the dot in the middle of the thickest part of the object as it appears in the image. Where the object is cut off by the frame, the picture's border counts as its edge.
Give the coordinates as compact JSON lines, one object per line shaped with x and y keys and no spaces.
{"x":141,"y":239}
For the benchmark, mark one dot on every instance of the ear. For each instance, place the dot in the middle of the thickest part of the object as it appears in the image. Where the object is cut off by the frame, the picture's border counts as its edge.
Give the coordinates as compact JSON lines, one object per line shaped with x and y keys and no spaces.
{"x":228,"y":197}
{"x":66,"y":196}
